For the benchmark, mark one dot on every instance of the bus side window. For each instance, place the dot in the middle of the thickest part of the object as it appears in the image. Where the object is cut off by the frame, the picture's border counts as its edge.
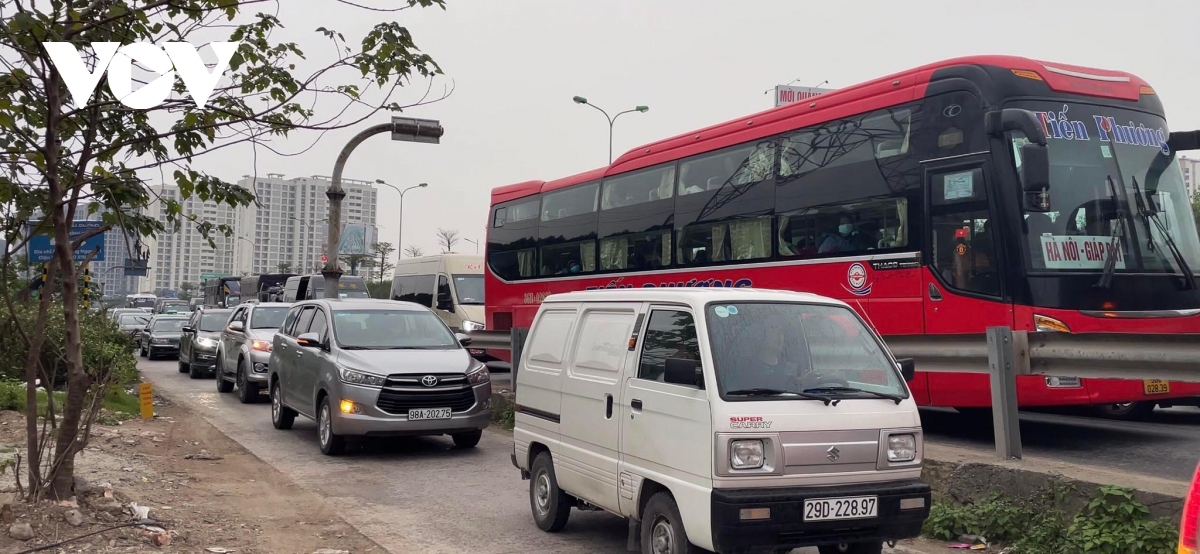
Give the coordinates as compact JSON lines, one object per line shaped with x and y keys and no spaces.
{"x":964,"y":250}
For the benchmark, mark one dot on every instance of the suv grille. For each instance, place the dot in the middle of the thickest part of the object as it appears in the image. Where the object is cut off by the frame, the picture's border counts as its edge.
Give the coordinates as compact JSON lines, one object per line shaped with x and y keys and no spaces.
{"x":406,"y":392}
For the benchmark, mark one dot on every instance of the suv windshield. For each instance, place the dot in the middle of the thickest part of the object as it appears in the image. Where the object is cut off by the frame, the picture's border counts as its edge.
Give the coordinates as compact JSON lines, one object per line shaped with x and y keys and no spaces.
{"x":134,"y":319}
{"x":469,"y":289}
{"x":391,"y":329}
{"x":1087,"y":144}
{"x":268,"y":318}
{"x":213,"y":321}
{"x":797,"y":347}
{"x":170,"y":325}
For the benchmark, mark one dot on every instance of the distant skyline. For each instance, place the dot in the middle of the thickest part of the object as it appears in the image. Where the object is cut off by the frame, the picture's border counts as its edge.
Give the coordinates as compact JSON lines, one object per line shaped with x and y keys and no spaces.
{"x":516,"y":65}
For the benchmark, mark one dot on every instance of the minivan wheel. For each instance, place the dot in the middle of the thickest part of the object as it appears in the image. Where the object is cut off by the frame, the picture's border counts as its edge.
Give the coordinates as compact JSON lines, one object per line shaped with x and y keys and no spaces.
{"x":852,"y":548}
{"x":282,"y":416}
{"x":467,"y":440}
{"x":223,"y":386}
{"x":247,"y":391}
{"x":332,"y":444}
{"x":551,"y":506}
{"x":662,"y":527}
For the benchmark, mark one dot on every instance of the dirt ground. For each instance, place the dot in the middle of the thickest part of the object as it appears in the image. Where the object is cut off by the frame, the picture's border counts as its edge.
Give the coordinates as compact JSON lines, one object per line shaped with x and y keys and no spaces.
{"x":233,"y":503}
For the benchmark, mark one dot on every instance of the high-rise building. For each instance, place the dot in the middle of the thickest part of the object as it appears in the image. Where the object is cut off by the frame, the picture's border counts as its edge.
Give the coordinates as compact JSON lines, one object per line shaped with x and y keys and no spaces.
{"x":1191,"y":175}
{"x":110,"y":274}
{"x":286,"y":227}
{"x":181,"y":254}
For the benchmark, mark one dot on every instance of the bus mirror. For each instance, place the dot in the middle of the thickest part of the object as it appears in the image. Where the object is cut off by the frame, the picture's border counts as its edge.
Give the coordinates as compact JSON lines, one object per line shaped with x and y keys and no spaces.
{"x":1013,"y":119}
{"x":1035,"y":167}
{"x":1184,"y":140}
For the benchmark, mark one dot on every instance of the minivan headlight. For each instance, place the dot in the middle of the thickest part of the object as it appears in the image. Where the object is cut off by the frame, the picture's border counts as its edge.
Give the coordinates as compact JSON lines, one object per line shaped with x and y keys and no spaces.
{"x":746,"y":454}
{"x":479,"y":375}
{"x":469,"y":326}
{"x":352,"y":377}
{"x":902,"y":448}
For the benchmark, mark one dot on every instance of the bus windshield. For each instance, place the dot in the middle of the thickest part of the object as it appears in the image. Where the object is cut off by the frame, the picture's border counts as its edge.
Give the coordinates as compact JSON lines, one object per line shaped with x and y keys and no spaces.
{"x":1090,"y":145}
{"x":792,"y":348}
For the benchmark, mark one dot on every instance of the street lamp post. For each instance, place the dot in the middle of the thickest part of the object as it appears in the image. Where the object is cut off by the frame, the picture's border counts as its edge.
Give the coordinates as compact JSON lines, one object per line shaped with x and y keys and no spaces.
{"x":611,"y":120}
{"x":476,"y":243}
{"x":400,"y":223}
{"x":405,"y":129}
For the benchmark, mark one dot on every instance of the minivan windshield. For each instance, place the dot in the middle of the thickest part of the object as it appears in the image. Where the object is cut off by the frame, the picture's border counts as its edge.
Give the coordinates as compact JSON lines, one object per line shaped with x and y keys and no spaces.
{"x":391,"y":330}
{"x":793,"y":349}
{"x":469,"y":289}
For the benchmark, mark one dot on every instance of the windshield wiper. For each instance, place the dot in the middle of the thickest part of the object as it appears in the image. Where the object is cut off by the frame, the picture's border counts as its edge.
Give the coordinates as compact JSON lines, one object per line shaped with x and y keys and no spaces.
{"x":1148,"y":215}
{"x":894,"y":398}
{"x":763,"y":391}
{"x":407,"y":347}
{"x":1117,"y":233}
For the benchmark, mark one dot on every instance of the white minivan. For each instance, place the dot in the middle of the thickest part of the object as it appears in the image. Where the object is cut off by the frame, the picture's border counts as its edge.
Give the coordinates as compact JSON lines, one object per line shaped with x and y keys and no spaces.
{"x":732,"y":420}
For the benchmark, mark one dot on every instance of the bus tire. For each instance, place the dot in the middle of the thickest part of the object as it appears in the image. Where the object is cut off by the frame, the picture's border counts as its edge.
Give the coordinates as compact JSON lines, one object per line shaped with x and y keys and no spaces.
{"x":1127,"y":411}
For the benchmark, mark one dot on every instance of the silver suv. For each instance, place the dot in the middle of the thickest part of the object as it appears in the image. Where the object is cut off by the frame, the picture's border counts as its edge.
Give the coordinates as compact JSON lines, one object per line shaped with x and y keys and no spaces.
{"x":245,"y":349}
{"x":376,"y":368}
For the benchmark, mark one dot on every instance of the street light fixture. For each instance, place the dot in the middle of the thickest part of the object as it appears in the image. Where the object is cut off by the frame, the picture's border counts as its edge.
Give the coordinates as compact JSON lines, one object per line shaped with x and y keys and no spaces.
{"x":611,"y":120}
{"x":400,"y":223}
{"x":405,"y":129}
{"x":476,"y":243}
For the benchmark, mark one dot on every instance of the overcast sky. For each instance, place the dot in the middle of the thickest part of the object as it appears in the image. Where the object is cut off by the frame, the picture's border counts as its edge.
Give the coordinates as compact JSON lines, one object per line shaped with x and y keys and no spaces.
{"x":517,"y":63}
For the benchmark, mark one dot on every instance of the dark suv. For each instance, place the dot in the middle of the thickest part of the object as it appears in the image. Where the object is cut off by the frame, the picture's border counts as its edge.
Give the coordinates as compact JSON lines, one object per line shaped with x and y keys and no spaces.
{"x":198,"y":347}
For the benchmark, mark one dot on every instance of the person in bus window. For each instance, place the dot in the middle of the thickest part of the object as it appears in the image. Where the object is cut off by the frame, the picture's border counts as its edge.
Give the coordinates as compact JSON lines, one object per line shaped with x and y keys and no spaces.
{"x":844,"y":240}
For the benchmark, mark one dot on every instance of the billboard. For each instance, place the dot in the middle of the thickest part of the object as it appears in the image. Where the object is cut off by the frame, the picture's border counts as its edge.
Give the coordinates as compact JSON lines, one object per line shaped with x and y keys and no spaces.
{"x":357,"y":238}
{"x":786,"y":94}
{"x":41,"y":247}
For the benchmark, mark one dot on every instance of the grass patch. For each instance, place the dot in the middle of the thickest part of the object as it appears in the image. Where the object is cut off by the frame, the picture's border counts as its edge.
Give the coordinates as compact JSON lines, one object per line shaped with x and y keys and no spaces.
{"x":12,"y":397}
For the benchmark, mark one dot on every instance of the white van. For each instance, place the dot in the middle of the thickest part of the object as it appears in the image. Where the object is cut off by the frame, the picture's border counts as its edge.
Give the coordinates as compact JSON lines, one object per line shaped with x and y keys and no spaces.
{"x":734,"y":420}
{"x":449,"y":284}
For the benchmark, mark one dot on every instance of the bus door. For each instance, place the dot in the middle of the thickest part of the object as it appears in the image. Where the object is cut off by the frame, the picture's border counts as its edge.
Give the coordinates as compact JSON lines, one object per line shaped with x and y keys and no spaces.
{"x":963,"y":285}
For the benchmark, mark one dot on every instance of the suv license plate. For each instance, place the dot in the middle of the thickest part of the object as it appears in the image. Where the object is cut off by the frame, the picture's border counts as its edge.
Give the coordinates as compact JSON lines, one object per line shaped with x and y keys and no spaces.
{"x":429,"y":413}
{"x":829,"y":509}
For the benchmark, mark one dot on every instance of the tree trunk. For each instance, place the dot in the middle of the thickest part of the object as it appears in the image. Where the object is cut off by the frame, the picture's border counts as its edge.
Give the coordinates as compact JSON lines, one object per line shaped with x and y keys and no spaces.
{"x":37,"y":337}
{"x":68,"y":443}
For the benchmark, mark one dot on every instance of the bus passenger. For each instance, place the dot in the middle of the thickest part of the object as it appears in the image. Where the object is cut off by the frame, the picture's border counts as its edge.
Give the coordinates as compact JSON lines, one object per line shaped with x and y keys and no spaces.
{"x":845,"y":240}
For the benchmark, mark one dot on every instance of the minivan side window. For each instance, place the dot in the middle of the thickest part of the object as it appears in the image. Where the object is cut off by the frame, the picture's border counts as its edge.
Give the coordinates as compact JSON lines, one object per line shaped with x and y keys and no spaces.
{"x":305,"y":320}
{"x":444,"y":299}
{"x":669,"y":334}
{"x":414,"y":288}
{"x":290,"y":321}
{"x":319,"y":325}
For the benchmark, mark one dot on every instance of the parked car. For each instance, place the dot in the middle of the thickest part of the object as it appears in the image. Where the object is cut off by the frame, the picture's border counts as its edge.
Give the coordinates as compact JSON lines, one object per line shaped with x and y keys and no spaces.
{"x":133,"y":323}
{"x":364,"y":367}
{"x":245,"y":350}
{"x":160,"y":336}
{"x":198,"y":346}
{"x":1190,"y":522}
{"x":116,"y":313}
{"x":733,"y":420}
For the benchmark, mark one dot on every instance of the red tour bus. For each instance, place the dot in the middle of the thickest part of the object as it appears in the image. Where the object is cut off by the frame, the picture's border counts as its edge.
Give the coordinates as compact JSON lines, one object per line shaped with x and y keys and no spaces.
{"x":946,"y":199}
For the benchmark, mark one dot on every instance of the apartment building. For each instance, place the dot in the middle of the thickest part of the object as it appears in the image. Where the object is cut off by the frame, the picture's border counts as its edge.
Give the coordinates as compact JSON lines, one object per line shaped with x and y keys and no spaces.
{"x":1191,"y":175}
{"x":180,"y":254}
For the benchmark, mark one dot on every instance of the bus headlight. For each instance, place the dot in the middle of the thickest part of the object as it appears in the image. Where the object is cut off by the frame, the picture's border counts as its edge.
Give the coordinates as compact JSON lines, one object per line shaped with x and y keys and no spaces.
{"x":746,"y":454}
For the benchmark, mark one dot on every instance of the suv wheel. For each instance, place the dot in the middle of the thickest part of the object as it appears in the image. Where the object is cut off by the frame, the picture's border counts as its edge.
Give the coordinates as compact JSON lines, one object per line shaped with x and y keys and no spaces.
{"x":467,"y":440}
{"x":247,"y":391}
{"x":219,"y":369}
{"x":184,"y":367}
{"x":150,"y":353}
{"x":332,"y":444}
{"x":282,"y":416}
{"x":551,"y":506}
{"x":193,"y":372}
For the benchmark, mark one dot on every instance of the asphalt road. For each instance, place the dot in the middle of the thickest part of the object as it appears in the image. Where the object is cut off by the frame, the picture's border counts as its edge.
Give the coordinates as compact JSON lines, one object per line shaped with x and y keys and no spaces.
{"x":1167,"y":445}
{"x":418,"y":495}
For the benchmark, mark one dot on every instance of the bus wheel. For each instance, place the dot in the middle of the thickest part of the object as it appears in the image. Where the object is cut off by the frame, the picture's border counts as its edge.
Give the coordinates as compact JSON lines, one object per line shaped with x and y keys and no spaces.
{"x":1126,"y":411}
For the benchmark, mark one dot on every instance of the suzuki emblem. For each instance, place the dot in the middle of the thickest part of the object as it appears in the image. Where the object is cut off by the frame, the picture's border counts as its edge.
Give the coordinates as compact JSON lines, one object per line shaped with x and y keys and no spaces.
{"x":833,"y":453}
{"x":429,"y":381}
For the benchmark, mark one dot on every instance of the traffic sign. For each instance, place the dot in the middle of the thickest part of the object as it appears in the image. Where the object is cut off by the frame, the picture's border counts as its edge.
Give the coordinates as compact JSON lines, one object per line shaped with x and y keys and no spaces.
{"x":41,"y":247}
{"x":324,"y":259}
{"x":146,"y":400}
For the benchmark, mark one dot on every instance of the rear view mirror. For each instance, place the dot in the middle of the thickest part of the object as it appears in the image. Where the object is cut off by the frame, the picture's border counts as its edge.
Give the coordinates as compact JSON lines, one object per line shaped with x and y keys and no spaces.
{"x":908,"y":368}
{"x":1035,"y":167}
{"x":189,"y":329}
{"x":311,"y":340}
{"x":444,"y":302}
{"x":237,"y":326}
{"x":1184,"y":140}
{"x":462,"y":339}
{"x":1012,"y":119}
{"x":680,"y":371}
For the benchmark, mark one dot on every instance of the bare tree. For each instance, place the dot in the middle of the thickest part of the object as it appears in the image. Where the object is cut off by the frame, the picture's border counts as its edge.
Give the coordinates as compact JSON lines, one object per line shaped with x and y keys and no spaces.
{"x":446,"y":239}
{"x":413,"y":251}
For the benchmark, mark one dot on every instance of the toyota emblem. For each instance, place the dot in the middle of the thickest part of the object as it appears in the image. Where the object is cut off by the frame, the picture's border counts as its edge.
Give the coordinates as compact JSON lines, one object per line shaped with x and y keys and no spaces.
{"x":429,"y":381}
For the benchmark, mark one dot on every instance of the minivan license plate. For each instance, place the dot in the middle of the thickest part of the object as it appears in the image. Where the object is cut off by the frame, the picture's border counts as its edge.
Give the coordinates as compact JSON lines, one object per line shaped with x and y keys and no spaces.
{"x":429,"y":413}
{"x":830,"y":509}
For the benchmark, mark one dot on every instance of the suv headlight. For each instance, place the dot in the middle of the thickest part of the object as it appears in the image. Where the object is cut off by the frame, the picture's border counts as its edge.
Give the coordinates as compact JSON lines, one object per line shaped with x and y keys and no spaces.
{"x":479,"y":375}
{"x":471,"y":326}
{"x":352,"y":377}
{"x":205,"y":342}
{"x":260,"y":345}
{"x":746,"y":454}
{"x":901,"y":448}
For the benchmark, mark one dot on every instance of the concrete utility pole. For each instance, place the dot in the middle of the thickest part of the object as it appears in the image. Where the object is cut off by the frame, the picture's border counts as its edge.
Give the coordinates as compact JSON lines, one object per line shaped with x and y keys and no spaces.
{"x":405,"y":129}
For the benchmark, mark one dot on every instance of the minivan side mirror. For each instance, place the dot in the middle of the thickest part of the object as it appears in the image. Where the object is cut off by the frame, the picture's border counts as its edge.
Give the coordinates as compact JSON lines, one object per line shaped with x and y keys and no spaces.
{"x":680,"y":371}
{"x":462,"y":339}
{"x":237,"y":326}
{"x":311,"y":340}
{"x":908,"y":368}
{"x":444,"y":302}
{"x":188,"y":329}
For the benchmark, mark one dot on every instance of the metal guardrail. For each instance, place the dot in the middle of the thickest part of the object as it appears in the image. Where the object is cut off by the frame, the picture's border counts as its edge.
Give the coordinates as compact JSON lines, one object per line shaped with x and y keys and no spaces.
{"x":495,"y":340}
